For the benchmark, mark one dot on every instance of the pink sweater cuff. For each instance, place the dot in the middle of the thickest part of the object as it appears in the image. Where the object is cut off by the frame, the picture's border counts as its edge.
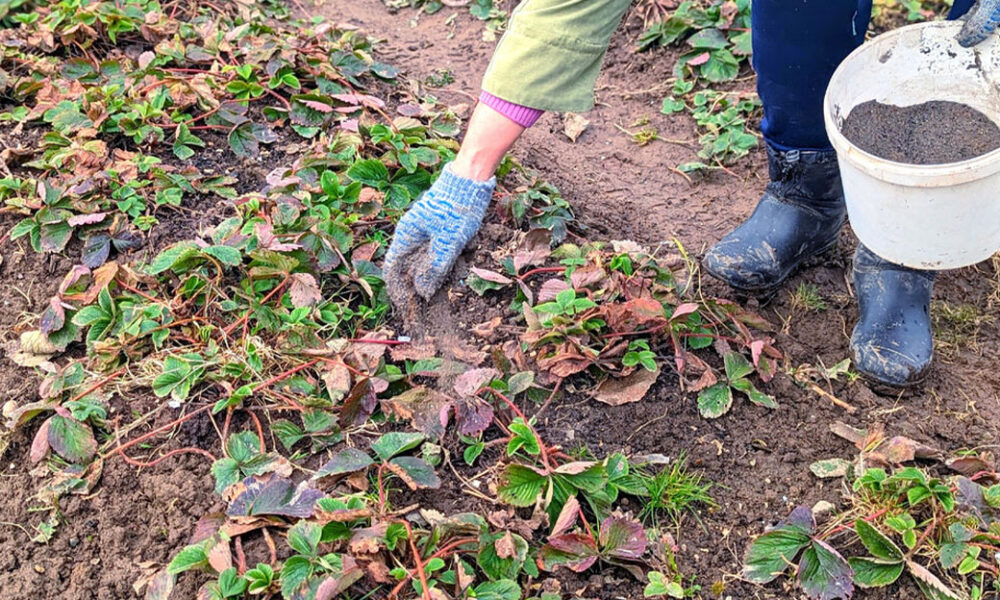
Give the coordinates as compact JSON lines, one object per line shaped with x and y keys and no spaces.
{"x":522,"y":115}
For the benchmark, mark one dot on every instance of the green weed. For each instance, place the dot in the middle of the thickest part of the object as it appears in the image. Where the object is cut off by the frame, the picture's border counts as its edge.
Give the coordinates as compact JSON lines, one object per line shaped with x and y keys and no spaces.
{"x":674,"y":491}
{"x":807,"y":297}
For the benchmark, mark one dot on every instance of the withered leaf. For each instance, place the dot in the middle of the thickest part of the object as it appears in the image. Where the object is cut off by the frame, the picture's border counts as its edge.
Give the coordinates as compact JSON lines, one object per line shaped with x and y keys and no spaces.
{"x":425,"y":408}
{"x":359,"y":404}
{"x":574,"y":125}
{"x":472,"y":415}
{"x":274,"y":495}
{"x":368,"y":540}
{"x":303,"y":290}
{"x":469,"y":383}
{"x":505,"y":546}
{"x":632,"y":388}
{"x":533,"y":250}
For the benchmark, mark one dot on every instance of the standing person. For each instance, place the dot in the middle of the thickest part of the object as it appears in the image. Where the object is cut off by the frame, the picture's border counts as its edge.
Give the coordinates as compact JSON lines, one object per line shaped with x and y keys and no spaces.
{"x":549,"y":59}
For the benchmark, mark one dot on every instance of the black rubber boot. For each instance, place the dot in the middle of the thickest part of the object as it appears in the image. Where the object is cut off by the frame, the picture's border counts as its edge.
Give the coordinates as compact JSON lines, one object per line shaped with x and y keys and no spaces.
{"x":800,"y":216}
{"x":892,"y":344}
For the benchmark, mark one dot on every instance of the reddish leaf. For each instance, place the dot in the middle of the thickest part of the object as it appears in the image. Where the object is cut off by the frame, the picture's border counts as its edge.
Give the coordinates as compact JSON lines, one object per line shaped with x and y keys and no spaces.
{"x":359,"y":404}
{"x":331,"y":587}
{"x":40,"y":445}
{"x":472,"y":416}
{"x":418,"y":350}
{"x":622,"y":538}
{"x":487,"y":329}
{"x":206,"y":527}
{"x":575,"y":468}
{"x":550,"y":289}
{"x":317,"y":106}
{"x":586,"y":276}
{"x":902,"y":449}
{"x":160,"y":586}
{"x":491,"y":276}
{"x":303,"y":290}
{"x":505,"y":546}
{"x":534,"y":249}
{"x":851,"y":434}
{"x":337,"y":379}
{"x":683,"y":310}
{"x":971,"y":465}
{"x":469,"y":383}
{"x":575,"y":551}
{"x":362,"y":99}
{"x":101,"y":278}
{"x":567,"y":516}
{"x":220,"y":557}
{"x":77,"y":220}
{"x":367,"y":540}
{"x":267,"y":240}
{"x":365,"y":251}
{"x":54,"y":316}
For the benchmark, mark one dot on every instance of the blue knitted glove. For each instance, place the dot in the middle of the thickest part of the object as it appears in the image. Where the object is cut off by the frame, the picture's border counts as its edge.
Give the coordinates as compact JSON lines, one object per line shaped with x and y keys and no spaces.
{"x":981,"y":22}
{"x":432,"y":234}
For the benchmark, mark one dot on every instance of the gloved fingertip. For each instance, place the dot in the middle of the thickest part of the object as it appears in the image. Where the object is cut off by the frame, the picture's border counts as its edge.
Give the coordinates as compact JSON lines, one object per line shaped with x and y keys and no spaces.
{"x":427,"y":284}
{"x":968,"y":40}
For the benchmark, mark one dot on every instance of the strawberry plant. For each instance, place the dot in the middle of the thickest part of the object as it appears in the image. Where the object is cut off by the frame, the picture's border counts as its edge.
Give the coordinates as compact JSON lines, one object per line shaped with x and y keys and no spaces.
{"x":607,"y":314}
{"x":725,"y":119}
{"x":908,"y":521}
{"x":269,"y":327}
{"x":717,"y":32}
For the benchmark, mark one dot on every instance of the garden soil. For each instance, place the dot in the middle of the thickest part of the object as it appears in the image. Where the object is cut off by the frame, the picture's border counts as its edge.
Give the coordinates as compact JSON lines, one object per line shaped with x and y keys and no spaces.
{"x":757,"y":458}
{"x":931,"y":133}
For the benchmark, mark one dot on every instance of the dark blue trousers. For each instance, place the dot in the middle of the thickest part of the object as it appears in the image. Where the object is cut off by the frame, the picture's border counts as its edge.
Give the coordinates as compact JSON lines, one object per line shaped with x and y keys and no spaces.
{"x":797,"y":44}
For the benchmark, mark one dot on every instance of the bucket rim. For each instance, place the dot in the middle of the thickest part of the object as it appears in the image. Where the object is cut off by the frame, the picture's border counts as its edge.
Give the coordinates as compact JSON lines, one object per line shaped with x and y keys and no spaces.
{"x":901,"y":173}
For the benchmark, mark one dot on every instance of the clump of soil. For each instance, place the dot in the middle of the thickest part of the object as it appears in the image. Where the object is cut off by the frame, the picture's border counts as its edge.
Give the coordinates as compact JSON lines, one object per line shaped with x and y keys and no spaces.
{"x":931,"y":133}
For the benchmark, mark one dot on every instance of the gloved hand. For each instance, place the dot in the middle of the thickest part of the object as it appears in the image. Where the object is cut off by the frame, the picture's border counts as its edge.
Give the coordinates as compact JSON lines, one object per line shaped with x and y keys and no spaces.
{"x":432,"y":234}
{"x":980,"y":22}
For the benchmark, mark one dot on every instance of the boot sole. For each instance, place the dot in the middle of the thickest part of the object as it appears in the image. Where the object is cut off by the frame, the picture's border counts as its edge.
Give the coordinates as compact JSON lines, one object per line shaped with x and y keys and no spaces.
{"x":884,"y":388}
{"x":768,"y":292}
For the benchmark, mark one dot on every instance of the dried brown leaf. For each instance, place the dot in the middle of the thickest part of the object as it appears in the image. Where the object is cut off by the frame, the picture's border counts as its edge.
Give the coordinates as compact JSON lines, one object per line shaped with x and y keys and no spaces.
{"x":574,"y":125}
{"x":303,"y":290}
{"x":469,"y":383}
{"x":505,"y":546}
{"x":625,"y":390}
{"x":487,"y":329}
{"x":851,"y":434}
{"x":425,"y":408}
{"x":534,"y":249}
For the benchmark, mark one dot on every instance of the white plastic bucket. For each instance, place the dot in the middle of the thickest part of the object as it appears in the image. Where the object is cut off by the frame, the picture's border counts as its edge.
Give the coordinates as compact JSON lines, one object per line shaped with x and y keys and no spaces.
{"x":922,"y":216}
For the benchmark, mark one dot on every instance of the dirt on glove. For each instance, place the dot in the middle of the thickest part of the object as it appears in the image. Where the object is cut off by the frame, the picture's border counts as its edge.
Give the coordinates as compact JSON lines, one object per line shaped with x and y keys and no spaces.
{"x":931,"y":133}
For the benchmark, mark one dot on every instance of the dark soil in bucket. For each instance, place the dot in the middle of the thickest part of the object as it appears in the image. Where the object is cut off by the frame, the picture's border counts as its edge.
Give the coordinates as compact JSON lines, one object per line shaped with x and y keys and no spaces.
{"x":931,"y":133}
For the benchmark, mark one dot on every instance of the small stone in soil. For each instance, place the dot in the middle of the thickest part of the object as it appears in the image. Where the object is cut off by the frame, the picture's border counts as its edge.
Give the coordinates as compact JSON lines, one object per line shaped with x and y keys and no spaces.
{"x":931,"y":133}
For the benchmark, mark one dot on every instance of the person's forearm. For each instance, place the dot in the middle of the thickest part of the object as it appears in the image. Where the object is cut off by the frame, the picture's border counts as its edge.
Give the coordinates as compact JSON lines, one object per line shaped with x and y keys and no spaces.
{"x":489,"y":136}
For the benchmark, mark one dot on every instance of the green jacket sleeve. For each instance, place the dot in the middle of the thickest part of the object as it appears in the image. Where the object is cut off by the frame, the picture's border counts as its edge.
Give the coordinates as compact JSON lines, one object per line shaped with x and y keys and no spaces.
{"x":551,"y":55}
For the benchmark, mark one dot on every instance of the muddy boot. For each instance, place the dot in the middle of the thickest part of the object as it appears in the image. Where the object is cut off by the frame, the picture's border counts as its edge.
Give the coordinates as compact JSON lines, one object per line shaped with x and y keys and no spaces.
{"x":799,"y":217}
{"x":892,"y":343}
